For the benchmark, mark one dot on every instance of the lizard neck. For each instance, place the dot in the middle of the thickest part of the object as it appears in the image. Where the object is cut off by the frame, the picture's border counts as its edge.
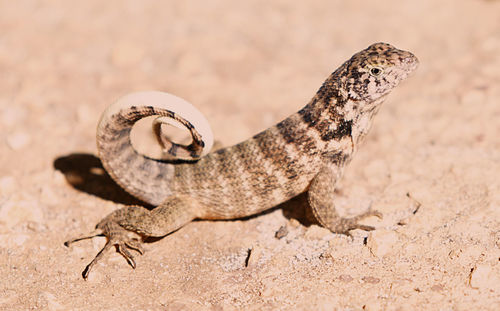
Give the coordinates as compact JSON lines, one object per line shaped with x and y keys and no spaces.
{"x":339,"y":119}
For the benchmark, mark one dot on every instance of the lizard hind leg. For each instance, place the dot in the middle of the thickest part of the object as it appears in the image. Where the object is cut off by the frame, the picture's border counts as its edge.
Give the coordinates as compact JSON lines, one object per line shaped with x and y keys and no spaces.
{"x":127,"y":227}
{"x":116,"y":236}
{"x":320,"y":197}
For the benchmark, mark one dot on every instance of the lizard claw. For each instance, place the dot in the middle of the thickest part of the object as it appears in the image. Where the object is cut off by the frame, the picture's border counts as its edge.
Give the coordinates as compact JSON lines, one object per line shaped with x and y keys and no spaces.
{"x":135,"y":245}
{"x":116,"y":236}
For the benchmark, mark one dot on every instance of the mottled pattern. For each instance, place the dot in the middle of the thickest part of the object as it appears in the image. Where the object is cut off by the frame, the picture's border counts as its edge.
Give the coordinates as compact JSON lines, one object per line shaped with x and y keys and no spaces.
{"x":305,"y":152}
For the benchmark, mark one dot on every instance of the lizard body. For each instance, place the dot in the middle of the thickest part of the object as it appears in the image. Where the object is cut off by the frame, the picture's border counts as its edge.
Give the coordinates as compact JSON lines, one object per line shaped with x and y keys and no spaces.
{"x":307,"y":151}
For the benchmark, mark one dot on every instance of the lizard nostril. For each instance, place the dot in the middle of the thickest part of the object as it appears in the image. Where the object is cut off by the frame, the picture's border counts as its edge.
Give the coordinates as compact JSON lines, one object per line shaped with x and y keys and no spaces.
{"x":411,"y":61}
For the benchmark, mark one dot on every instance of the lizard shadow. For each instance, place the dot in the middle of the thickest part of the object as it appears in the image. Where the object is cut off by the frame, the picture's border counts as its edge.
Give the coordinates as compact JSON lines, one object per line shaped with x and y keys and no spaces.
{"x":84,"y":172}
{"x":296,"y":208}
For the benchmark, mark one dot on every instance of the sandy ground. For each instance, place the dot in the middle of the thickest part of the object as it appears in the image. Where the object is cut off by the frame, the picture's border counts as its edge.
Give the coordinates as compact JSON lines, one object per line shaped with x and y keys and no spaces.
{"x":246,"y":65}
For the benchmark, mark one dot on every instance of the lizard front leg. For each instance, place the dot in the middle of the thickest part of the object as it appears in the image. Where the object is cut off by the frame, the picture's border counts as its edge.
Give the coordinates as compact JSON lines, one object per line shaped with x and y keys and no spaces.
{"x":320,"y":197}
{"x":127,"y":227}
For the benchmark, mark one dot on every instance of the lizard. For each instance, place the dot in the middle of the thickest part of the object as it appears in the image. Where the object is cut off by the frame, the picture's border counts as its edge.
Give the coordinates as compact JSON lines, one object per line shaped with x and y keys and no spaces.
{"x":306,"y":152}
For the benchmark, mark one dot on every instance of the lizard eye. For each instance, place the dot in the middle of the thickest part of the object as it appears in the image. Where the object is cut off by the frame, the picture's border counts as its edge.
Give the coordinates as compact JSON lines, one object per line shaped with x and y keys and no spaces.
{"x":376,"y":71}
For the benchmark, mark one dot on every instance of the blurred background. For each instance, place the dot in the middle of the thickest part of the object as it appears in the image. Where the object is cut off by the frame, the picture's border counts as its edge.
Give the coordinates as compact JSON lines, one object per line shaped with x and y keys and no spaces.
{"x":247,"y":65}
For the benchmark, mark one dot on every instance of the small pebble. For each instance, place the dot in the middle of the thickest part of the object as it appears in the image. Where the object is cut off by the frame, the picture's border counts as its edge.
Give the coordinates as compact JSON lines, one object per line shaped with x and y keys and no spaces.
{"x":371,"y":280}
{"x":16,"y":211}
{"x":12,"y":240}
{"x":437,"y":288}
{"x":52,"y":302}
{"x":254,"y":256}
{"x":373,"y":305}
{"x":18,"y":140}
{"x":381,"y":242}
{"x":13,"y":114}
{"x":346,"y":278}
{"x":484,"y":277}
{"x":7,"y":185}
{"x":315,"y":232}
{"x":294,"y":223}
{"x":281,"y":233}
{"x":48,"y":196}
{"x":268,"y":287}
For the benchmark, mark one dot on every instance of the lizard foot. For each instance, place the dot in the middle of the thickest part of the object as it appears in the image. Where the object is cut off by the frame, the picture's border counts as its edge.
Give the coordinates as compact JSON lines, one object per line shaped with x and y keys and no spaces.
{"x":344,"y":225}
{"x":116,"y":236}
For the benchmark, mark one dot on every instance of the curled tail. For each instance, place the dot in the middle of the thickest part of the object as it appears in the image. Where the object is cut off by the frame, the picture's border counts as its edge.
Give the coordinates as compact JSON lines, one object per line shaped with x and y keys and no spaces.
{"x":149,"y":177}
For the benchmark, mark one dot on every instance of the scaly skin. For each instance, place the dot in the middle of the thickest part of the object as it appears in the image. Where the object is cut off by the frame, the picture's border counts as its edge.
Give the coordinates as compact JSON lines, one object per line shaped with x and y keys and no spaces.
{"x":307,"y":151}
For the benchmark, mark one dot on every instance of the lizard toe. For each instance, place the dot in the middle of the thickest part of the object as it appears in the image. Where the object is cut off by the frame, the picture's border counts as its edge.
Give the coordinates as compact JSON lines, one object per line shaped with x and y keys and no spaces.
{"x":347,"y":224}
{"x":135,"y":245}
{"x":122,"y":249}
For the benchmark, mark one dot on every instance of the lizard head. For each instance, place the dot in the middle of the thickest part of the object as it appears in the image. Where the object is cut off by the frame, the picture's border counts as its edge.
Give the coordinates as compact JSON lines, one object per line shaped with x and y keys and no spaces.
{"x":373,"y":72}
